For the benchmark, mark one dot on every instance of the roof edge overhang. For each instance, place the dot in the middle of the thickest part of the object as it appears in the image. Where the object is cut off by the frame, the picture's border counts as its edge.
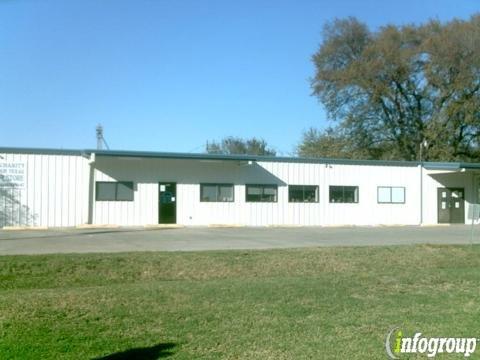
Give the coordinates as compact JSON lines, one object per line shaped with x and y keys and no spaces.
{"x":255,"y":158}
{"x":450,"y":166}
{"x":40,"y":151}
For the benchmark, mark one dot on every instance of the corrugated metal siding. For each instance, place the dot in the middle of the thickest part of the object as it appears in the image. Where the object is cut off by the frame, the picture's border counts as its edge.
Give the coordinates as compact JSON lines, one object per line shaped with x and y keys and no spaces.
{"x":434,"y":180}
{"x":55,"y":192}
{"x":147,"y":173}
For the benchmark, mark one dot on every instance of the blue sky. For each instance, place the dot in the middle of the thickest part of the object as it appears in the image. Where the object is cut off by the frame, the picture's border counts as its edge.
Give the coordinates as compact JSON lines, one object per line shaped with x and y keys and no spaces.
{"x":170,"y":75}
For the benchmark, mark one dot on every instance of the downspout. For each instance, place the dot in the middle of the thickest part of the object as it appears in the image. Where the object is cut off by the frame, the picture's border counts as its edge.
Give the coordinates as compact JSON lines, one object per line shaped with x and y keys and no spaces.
{"x":474,"y":204}
{"x":91,"y":183}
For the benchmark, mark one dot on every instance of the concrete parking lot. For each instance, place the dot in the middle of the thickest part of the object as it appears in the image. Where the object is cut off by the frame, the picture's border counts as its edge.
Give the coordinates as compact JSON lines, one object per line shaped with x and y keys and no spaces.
{"x":204,"y":238}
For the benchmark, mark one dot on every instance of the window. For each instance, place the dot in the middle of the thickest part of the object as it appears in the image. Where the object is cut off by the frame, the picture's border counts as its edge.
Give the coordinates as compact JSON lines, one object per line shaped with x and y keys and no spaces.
{"x":114,"y":191}
{"x":261,"y":193}
{"x":391,"y":195}
{"x":303,"y":193}
{"x":344,"y":194}
{"x":216,"y":192}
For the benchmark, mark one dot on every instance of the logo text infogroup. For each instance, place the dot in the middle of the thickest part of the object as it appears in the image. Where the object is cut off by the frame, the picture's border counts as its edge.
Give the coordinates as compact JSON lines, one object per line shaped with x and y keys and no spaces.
{"x":397,"y":344}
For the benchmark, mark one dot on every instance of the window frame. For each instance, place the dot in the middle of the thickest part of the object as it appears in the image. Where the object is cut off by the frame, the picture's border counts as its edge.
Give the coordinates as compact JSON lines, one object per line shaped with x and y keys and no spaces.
{"x":218,"y":185}
{"x":317,"y":194}
{"x":129,"y":184}
{"x":263,"y":186}
{"x":343,"y":194}
{"x":391,"y":188}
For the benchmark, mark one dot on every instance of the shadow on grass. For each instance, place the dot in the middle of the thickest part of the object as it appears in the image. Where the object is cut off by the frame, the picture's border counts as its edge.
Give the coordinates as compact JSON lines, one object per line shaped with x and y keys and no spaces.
{"x":146,"y":353}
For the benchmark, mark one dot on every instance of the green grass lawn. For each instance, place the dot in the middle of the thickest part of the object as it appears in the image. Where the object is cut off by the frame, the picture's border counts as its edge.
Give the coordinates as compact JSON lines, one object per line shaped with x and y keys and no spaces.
{"x":321,"y":303}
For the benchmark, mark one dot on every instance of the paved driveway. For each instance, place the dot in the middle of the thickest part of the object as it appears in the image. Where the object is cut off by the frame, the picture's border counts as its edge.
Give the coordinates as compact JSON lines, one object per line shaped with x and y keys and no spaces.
{"x":203,"y":238}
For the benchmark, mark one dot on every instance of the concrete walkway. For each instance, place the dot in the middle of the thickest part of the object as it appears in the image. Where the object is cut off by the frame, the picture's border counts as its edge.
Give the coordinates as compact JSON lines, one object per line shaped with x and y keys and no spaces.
{"x":204,"y":238}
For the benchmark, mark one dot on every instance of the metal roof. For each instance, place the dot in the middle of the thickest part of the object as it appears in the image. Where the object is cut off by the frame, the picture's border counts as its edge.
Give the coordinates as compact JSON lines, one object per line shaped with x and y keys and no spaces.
{"x":435,"y":165}
{"x":41,"y":151}
{"x":199,"y":156}
{"x":171,"y":155}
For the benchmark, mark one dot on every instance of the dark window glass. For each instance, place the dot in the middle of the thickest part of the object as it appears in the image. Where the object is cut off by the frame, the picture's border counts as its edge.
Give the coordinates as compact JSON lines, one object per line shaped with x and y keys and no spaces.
{"x":106,"y":191}
{"x":303,"y":193}
{"x":216,"y":192}
{"x":114,"y":191}
{"x":344,"y":194}
{"x":208,"y":192}
{"x":254,"y":193}
{"x":225,"y":193}
{"x":336,"y":194}
{"x":124,"y":191}
{"x":261,"y":193}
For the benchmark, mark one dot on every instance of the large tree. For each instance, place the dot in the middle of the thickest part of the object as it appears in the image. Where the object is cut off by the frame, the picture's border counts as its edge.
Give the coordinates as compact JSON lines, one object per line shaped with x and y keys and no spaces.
{"x":387,"y":91}
{"x":238,"y":146}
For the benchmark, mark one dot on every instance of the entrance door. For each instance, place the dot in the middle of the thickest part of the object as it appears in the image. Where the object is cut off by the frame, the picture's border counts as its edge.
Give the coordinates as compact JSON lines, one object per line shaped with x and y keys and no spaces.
{"x":167,"y":209}
{"x":451,"y":205}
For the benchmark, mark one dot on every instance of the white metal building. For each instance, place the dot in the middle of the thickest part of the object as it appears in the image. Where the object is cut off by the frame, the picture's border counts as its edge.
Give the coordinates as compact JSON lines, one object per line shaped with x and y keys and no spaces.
{"x":61,"y":188}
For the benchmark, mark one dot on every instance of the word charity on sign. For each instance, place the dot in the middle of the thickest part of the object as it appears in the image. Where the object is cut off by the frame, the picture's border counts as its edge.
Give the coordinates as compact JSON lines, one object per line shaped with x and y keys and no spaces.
{"x":12,"y":174}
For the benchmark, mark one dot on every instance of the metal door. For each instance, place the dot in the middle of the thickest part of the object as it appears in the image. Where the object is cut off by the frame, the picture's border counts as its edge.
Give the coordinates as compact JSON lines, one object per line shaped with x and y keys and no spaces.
{"x":451,"y":205}
{"x":167,"y":209}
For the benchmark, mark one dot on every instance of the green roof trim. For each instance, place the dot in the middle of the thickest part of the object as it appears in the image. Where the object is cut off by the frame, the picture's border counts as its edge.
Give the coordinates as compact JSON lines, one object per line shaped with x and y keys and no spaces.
{"x":40,"y":151}
{"x":198,"y":156}
{"x":431,"y":165}
{"x":193,"y":156}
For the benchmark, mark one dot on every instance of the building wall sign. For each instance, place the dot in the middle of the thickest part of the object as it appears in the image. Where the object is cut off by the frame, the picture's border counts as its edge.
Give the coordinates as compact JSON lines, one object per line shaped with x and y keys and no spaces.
{"x":12,"y":174}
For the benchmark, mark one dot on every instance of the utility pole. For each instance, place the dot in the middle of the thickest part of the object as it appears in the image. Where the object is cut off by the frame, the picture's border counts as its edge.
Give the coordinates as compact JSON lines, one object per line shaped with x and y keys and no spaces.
{"x":423,"y":144}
